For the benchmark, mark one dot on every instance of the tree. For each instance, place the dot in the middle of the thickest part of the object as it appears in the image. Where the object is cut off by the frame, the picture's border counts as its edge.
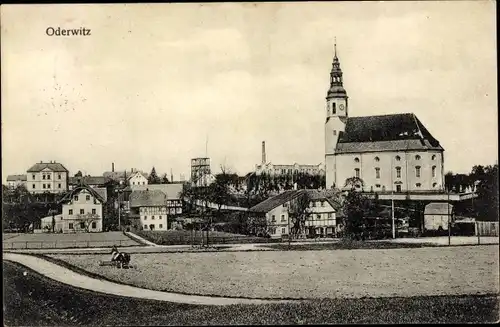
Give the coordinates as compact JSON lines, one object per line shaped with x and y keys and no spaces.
{"x":87,"y":219}
{"x":164,"y":179}
{"x":355,"y":206}
{"x":353,"y":183}
{"x":79,"y":174}
{"x":153,"y":177}
{"x":298,"y":211}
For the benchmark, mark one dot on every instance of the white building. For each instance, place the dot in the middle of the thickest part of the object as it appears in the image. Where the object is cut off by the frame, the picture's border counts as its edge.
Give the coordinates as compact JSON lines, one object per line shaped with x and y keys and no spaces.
{"x":322,"y":213}
{"x":51,"y":177}
{"x":14,"y":181}
{"x":150,"y":207}
{"x":388,"y":152}
{"x":137,"y":178}
{"x":81,"y":211}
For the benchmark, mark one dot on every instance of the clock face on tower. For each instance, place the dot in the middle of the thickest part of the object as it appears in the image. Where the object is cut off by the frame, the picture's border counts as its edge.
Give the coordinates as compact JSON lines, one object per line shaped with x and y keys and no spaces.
{"x":341,"y":107}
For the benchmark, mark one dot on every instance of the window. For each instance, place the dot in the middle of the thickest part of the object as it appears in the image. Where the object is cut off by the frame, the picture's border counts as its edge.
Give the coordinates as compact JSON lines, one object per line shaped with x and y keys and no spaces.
{"x":313,"y":204}
{"x":433,"y":171}
{"x":334,"y":110}
{"x":283,"y":230}
{"x":43,"y":176}
{"x":48,"y":185}
{"x":145,"y":226}
{"x":334,"y":132}
{"x":329,"y":215}
{"x":417,"y":157}
{"x":48,"y":176}
{"x":94,"y":211}
{"x":418,"y":185}
{"x":356,"y":172}
{"x":70,"y":212}
{"x":282,"y":217}
{"x":33,"y":176}
{"x":33,"y":185}
{"x":318,"y":217}
{"x":322,"y":203}
{"x":417,"y":171}
{"x":377,"y":172}
{"x":398,"y":158}
{"x":87,"y":197}
{"x":145,"y":217}
{"x":43,"y":185}
{"x":143,"y":183}
{"x":59,"y":185}
{"x":285,"y":205}
{"x":70,"y":226}
{"x":433,"y":157}
{"x":133,"y":183}
{"x":398,"y":172}
{"x":377,"y":185}
{"x":82,"y":225}
{"x":75,"y":198}
{"x":356,"y":159}
{"x":161,"y":225}
{"x":59,"y":176}
{"x":94,"y":225}
{"x":152,"y":217}
{"x":82,"y":211}
{"x":377,"y":159}
{"x":273,"y":218}
{"x":434,"y":184}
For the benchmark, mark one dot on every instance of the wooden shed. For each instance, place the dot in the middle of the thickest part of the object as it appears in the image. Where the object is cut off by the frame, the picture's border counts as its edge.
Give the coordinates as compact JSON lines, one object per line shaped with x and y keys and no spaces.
{"x":437,"y":215}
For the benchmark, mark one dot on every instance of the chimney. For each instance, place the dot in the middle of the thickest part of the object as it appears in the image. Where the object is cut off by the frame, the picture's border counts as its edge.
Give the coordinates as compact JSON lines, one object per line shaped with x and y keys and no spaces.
{"x":112,"y":167}
{"x":263,"y":152}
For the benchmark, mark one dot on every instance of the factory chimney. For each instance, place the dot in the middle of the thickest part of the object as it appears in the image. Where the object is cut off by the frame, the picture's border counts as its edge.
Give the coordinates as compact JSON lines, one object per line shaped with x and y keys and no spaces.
{"x":113,"y":167}
{"x":263,"y":152}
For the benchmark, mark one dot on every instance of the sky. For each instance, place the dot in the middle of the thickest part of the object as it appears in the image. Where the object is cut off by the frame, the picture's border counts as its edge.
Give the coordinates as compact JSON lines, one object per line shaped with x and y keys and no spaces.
{"x":157,"y":85}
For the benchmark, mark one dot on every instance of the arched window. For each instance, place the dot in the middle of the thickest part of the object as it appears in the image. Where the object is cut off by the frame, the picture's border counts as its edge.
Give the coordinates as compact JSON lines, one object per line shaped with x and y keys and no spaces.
{"x":398,"y":158}
{"x":377,"y":172}
{"x":356,"y":159}
{"x":434,"y":184}
{"x":398,"y":172}
{"x":356,"y":172}
{"x":417,"y":171}
{"x":433,"y":171}
{"x":377,"y":159}
{"x":433,"y":157}
{"x":417,"y":157}
{"x":418,"y":185}
{"x":334,"y":110}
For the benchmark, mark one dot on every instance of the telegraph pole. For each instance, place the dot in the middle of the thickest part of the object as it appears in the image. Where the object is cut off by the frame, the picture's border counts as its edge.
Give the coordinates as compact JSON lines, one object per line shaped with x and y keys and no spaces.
{"x":392,"y":204}
{"x":449,"y":222}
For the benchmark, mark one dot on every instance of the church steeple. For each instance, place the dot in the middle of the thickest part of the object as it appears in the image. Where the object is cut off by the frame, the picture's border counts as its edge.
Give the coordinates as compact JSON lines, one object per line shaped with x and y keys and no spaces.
{"x":336,"y":84}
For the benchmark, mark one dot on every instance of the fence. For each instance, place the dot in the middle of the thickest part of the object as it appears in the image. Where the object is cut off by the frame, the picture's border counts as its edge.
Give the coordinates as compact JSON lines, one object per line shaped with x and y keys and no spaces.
{"x":65,"y":244}
{"x":486,"y":228}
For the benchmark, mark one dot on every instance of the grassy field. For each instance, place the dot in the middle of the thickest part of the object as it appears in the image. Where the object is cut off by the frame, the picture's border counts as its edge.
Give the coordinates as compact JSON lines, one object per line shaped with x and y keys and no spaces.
{"x":343,"y":245}
{"x":38,"y":301}
{"x":185,"y":237}
{"x":312,"y":274}
{"x":48,"y":241}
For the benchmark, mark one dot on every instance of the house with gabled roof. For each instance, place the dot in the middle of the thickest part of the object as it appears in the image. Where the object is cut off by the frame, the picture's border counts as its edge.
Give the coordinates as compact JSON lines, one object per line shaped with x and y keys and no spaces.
{"x":50,"y":177}
{"x":149,"y":209}
{"x":392,"y":153}
{"x":81,"y":211}
{"x":92,"y":181}
{"x":14,"y":181}
{"x":323,"y":213}
{"x":137,"y":178}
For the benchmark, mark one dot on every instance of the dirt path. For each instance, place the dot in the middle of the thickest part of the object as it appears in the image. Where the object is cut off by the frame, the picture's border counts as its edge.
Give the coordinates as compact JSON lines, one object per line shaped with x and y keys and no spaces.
{"x":70,"y":277}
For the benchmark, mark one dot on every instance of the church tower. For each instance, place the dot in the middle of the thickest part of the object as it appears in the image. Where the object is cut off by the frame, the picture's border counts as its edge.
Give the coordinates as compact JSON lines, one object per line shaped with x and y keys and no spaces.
{"x":336,"y":117}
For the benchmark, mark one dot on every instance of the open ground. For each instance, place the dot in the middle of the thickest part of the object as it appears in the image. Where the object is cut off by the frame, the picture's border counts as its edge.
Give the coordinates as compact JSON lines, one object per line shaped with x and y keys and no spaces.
{"x":46,"y":240}
{"x":310,"y":274}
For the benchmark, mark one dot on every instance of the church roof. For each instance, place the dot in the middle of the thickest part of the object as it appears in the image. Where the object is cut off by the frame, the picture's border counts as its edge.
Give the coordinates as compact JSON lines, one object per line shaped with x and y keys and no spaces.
{"x":394,"y":132}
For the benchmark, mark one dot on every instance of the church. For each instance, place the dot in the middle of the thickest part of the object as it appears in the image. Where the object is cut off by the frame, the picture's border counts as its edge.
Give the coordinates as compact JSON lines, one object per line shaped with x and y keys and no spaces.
{"x":389,"y":153}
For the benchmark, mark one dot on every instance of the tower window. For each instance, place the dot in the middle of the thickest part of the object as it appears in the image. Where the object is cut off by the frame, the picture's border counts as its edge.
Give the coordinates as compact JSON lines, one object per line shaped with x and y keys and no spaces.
{"x":398,"y":172}
{"x":398,"y":158}
{"x":356,"y":172}
{"x":433,"y":157}
{"x":417,"y":157}
{"x":334,"y":110}
{"x":418,"y":185}
{"x":377,"y":172}
{"x":377,"y":159}
{"x":417,"y":171}
{"x":433,"y":171}
{"x":356,"y":159}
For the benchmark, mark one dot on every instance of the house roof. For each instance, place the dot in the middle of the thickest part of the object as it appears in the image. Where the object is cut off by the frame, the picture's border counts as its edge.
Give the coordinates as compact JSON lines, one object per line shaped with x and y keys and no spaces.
{"x":91,"y":180}
{"x":149,"y":198}
{"x":132,"y":174}
{"x":13,"y":178}
{"x":114,"y":174}
{"x":280,"y":199}
{"x":385,"y":133}
{"x":54,"y":166}
{"x":437,"y":208}
{"x":97,"y":193}
{"x":172,"y":191}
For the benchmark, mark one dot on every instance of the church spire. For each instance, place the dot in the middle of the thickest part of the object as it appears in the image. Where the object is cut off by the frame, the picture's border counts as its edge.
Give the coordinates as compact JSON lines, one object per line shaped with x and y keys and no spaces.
{"x":336,"y":83}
